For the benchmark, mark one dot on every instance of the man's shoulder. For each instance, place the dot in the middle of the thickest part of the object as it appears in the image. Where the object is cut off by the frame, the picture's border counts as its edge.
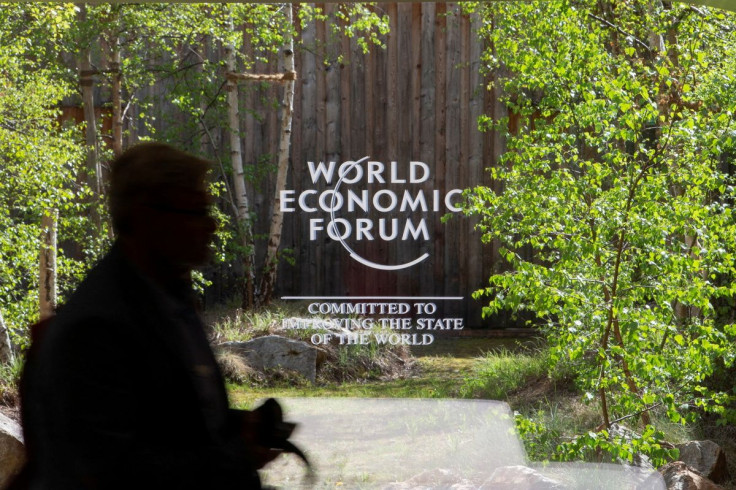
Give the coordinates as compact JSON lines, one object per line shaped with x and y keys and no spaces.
{"x":100,"y":307}
{"x":103,"y":292}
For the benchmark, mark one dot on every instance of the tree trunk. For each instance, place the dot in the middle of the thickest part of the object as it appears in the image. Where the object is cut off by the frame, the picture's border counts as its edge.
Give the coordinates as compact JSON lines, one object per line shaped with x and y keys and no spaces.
{"x":47,"y":265}
{"x":241,"y":196}
{"x":6,"y":350}
{"x":268,"y":279}
{"x":86,"y":82}
{"x":116,"y":86}
{"x":201,"y":49}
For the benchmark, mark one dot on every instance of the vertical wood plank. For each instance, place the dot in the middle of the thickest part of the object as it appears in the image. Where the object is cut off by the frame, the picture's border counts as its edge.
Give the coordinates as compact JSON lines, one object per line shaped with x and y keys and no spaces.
{"x":452,"y":260}
{"x":427,"y":133}
{"x":479,"y":271}
{"x":392,"y":111}
{"x":376,"y":146}
{"x":367,"y":71}
{"x":416,"y":78}
{"x":247,"y":117}
{"x":321,"y":260}
{"x":361,"y":107}
{"x":345,"y":99}
{"x":416,"y":117}
{"x":291,"y":282}
{"x":263,"y":154}
{"x":347,"y":150}
{"x":312,"y":249}
{"x":440,"y":140}
{"x":402,"y":252}
{"x":465,"y":259}
{"x":331,"y":75}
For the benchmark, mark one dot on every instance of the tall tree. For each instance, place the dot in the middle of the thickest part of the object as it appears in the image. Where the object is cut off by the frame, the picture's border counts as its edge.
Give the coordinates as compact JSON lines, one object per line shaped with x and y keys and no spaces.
{"x":268,"y":277}
{"x":243,"y":217}
{"x":618,"y":178}
{"x":39,"y":158}
{"x":86,"y":84}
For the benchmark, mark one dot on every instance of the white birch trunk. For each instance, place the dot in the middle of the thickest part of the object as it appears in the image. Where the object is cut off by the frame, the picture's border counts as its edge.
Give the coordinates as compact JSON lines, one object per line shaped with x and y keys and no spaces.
{"x":268,"y":279}
{"x":47,"y":265}
{"x":117,"y":94}
{"x":239,"y":189}
{"x":6,"y":349}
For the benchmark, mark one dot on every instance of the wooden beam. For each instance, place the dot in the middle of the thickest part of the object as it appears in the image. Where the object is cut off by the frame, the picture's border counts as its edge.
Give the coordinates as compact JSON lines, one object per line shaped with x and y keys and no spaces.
{"x":288,"y":76}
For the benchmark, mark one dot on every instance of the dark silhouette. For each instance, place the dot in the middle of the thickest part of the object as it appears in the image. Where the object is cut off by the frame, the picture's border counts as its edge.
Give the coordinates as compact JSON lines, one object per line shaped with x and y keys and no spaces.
{"x":123,"y":390}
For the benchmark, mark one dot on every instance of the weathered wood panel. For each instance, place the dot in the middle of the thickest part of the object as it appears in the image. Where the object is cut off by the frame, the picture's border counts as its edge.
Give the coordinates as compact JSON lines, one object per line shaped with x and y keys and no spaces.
{"x":417,"y":99}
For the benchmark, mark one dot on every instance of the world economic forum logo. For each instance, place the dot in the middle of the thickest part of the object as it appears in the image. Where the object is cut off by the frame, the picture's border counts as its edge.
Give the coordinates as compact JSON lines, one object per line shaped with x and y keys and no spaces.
{"x":349,"y":196}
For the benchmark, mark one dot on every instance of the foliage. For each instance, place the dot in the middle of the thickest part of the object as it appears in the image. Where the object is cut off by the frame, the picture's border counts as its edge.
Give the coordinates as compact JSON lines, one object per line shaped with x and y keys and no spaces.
{"x":39,"y":157}
{"x":172,"y":46}
{"x":613,"y":204}
{"x":618,"y":447}
{"x":537,"y":437}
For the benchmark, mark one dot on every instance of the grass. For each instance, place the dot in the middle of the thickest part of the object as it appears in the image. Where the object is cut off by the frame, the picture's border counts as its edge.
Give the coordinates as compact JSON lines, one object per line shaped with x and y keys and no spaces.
{"x":450,"y":369}
{"x":9,"y":379}
{"x":233,"y":324}
{"x":435,"y":377}
{"x":485,"y":368}
{"x":497,"y":374}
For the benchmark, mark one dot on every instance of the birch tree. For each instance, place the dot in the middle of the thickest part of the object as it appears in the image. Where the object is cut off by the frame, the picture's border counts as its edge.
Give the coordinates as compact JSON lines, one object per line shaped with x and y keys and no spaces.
{"x":620,"y":179}
{"x":41,"y":160}
{"x":268,"y":278}
{"x":86,"y":85}
{"x":243,"y":217}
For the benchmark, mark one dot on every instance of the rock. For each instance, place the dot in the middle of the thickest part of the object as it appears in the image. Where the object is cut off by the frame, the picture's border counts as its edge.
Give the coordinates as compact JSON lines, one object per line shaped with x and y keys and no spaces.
{"x":431,"y":479}
{"x":623,"y":432}
{"x":438,"y":478}
{"x":707,"y":458}
{"x":679,"y":476}
{"x":12,"y":451}
{"x":274,"y":351}
{"x":519,"y":478}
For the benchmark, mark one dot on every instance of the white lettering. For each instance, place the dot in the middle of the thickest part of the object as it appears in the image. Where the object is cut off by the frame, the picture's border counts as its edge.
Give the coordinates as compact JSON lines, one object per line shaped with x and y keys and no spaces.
{"x":413,"y":166}
{"x":377,"y":200}
{"x":285,"y":199}
{"x":321,"y":170}
{"x":375,"y":169}
{"x":416,"y":232}
{"x":303,"y":201}
{"x":449,"y":204}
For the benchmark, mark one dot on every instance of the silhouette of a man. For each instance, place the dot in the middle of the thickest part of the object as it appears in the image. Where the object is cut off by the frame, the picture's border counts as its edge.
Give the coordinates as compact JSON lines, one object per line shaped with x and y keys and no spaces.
{"x":124,"y":391}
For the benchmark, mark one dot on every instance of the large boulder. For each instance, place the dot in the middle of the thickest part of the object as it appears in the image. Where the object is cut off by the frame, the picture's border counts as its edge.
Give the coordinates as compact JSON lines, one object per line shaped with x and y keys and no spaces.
{"x":706,"y":457}
{"x":520,"y":478}
{"x":274,"y":351}
{"x":679,"y":476}
{"x":12,"y":450}
{"x":434,"y":478}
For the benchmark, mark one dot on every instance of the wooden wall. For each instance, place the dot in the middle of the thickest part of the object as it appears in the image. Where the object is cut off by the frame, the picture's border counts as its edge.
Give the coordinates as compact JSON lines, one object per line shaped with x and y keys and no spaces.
{"x":417,"y":99}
